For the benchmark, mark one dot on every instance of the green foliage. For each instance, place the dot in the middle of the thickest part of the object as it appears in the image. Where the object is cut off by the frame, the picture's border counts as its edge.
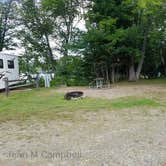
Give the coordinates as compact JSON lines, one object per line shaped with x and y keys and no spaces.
{"x":58,"y":81}
{"x":119,"y":35}
{"x":37,"y":27}
{"x":7,"y":25}
{"x":64,"y":14}
{"x":26,"y":66}
{"x":70,"y":71}
{"x":41,"y":82}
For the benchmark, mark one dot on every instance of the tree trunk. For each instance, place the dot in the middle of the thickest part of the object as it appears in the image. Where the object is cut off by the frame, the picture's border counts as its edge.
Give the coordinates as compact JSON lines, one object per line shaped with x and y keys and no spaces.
{"x":51,"y":57}
{"x":103,"y":72}
{"x":95,"y":70}
{"x":4,"y":24}
{"x":107,"y":76}
{"x":139,"y":68}
{"x":113,"y":74}
{"x":140,"y":64}
{"x":164,"y":64}
{"x":132,"y":74}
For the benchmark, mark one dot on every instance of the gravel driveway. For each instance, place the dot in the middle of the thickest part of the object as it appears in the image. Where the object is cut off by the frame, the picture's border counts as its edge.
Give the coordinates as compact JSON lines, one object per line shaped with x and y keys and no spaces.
{"x":130,"y":137}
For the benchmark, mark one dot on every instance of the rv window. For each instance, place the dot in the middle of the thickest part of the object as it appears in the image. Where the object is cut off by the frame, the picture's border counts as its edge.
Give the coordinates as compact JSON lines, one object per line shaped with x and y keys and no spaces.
{"x":1,"y":63}
{"x":10,"y":64}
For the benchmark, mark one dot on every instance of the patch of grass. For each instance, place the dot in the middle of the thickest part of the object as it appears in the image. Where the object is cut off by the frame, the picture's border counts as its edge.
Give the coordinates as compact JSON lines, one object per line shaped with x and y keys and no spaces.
{"x":129,"y":102}
{"x":159,"y":82}
{"x":47,"y":104}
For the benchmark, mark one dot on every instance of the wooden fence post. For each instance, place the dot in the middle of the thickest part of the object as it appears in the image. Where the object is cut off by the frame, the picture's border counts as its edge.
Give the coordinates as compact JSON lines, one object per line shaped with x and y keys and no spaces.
{"x":6,"y":86}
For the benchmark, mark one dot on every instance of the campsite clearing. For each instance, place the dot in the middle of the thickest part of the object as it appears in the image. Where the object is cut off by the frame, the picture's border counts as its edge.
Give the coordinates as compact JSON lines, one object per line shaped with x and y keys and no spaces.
{"x":123,"y":125}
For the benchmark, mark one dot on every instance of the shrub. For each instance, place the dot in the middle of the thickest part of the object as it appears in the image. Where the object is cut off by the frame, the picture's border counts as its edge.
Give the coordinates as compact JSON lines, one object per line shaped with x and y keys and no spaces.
{"x":57,"y":81}
{"x":41,"y":82}
{"x":68,"y":82}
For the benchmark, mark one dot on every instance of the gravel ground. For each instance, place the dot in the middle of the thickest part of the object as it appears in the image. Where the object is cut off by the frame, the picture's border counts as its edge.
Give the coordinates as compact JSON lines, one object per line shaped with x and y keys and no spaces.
{"x":119,"y":91}
{"x":130,"y":137}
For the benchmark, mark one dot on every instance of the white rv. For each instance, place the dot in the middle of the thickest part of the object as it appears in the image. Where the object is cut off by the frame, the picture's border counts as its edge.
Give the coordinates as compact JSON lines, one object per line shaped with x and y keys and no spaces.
{"x":8,"y":68}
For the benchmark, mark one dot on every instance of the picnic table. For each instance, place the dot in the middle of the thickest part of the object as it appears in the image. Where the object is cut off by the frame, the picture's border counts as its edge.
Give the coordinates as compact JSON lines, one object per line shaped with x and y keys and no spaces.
{"x":99,"y":82}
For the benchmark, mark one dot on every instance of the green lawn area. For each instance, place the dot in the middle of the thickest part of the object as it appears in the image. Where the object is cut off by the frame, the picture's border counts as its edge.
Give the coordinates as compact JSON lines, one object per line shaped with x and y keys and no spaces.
{"x":159,"y":82}
{"x":47,"y":104}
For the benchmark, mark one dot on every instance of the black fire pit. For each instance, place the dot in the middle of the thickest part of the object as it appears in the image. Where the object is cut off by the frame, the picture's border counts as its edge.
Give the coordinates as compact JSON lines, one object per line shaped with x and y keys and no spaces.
{"x":73,"y":95}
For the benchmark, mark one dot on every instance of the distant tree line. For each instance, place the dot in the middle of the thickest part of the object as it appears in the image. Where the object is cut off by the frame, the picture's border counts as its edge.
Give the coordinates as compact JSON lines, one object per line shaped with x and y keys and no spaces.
{"x":124,"y":40}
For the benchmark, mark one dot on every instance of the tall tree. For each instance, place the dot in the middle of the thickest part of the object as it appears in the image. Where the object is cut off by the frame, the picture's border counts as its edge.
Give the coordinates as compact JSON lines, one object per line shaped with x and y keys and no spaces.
{"x":125,"y":43}
{"x":7,"y":22}
{"x":155,"y":58}
{"x":37,"y":29}
{"x":149,"y":12}
{"x":66,"y":15}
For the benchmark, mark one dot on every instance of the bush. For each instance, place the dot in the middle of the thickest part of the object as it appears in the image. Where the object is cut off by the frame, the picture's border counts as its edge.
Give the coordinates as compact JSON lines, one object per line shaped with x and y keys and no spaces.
{"x":68,"y":82}
{"x":69,"y":71}
{"x":41,"y":82}
{"x":76,"y":82}
{"x":57,"y":81}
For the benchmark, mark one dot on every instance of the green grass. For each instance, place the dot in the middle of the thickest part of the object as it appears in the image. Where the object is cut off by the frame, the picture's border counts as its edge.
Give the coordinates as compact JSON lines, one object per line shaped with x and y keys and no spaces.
{"x":47,"y":104}
{"x":158,"y":82}
{"x":129,"y":102}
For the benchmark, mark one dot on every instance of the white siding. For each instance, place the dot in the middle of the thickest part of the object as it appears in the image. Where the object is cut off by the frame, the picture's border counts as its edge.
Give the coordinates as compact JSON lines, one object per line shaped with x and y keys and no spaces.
{"x":12,"y":74}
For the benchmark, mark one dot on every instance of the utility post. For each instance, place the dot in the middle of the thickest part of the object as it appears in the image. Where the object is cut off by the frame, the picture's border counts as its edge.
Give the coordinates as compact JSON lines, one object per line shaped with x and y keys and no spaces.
{"x":6,"y":86}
